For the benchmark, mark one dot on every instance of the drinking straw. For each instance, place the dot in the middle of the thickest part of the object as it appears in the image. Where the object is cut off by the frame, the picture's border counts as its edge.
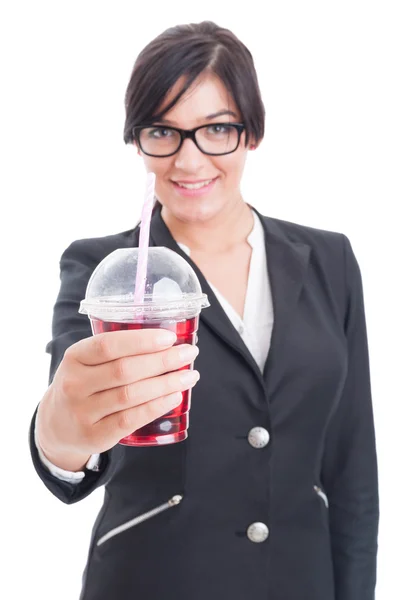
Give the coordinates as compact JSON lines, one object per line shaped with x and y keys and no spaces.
{"x":144,"y":239}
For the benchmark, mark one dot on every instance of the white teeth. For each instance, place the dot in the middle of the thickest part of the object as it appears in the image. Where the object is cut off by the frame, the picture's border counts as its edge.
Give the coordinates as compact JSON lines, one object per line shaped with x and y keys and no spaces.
{"x":194,"y":186}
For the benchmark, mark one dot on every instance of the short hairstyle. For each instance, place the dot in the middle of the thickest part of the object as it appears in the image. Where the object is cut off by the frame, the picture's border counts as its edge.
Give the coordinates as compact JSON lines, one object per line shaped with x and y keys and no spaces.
{"x":188,"y":51}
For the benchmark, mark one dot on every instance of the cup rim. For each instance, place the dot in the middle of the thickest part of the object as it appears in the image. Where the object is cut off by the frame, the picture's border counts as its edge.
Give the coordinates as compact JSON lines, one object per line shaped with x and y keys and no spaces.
{"x":105,"y":307}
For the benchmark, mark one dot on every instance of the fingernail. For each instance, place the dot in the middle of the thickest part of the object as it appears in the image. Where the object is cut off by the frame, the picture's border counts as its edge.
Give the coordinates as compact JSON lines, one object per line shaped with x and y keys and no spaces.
{"x":166,"y":338}
{"x":175,"y":399}
{"x":189,"y":377}
{"x":188,"y":353}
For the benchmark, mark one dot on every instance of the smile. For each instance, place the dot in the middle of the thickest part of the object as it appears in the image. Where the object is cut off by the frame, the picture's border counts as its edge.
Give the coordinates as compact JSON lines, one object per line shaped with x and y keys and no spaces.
{"x":194,"y":188}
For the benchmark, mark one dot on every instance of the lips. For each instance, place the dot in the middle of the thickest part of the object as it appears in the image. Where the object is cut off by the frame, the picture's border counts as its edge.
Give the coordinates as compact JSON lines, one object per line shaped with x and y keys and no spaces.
{"x":191,"y":189}
{"x":194,"y":185}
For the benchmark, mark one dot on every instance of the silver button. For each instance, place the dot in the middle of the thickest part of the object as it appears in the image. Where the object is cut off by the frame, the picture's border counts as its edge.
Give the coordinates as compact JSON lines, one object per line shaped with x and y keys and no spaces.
{"x":257,"y":532}
{"x":258,"y":437}
{"x":241,"y":329}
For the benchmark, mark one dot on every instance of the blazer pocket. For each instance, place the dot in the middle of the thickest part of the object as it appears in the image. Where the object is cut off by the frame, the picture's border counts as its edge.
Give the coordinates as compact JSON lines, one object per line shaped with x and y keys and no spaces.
{"x":174,"y":501}
{"x":322,"y":495}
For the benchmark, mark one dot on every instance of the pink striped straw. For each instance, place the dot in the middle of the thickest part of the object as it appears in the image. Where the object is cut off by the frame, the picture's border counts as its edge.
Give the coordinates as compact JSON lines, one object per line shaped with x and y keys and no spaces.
{"x":144,"y":239}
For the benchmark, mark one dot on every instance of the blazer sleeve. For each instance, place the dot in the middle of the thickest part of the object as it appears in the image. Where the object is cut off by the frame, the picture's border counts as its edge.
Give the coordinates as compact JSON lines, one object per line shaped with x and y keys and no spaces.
{"x":349,"y":471}
{"x":68,"y":327}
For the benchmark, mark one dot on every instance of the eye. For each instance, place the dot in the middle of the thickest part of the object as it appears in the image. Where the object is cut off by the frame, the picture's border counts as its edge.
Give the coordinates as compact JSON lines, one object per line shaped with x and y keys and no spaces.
{"x":218,"y":129}
{"x":161,"y":132}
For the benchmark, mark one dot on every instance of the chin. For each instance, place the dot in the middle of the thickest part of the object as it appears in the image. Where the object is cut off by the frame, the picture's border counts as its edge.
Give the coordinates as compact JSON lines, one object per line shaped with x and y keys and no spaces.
{"x":193,"y":211}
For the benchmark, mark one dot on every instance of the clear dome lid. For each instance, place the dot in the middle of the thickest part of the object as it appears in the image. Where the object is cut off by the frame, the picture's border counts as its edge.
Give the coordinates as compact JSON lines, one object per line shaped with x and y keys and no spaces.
{"x":172,"y":288}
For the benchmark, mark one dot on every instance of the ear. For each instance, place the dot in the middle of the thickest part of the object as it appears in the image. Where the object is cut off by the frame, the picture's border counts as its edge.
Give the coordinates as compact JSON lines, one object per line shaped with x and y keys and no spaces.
{"x":253,"y":145}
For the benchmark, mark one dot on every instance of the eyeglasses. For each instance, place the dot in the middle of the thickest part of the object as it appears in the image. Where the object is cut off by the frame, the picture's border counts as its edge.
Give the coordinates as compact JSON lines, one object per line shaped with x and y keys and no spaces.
{"x":213,"y":139}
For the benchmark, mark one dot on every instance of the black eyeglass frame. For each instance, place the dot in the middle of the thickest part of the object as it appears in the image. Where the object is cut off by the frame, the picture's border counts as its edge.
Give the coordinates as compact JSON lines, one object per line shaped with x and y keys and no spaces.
{"x":187,"y":134}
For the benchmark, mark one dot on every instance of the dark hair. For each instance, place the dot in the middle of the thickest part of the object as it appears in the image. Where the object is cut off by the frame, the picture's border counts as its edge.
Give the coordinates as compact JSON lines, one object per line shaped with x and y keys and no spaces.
{"x":189,"y":50}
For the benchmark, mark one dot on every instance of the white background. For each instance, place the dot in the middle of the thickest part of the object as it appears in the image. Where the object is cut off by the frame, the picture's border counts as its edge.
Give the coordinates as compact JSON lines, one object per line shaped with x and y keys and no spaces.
{"x":328,"y":74}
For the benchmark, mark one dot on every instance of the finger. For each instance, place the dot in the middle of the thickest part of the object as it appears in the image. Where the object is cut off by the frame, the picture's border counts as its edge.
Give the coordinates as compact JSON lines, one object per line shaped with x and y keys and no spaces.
{"x":105,"y":347}
{"x":130,"y":369}
{"x":126,"y":397}
{"x":112,"y":429}
{"x":123,"y":423}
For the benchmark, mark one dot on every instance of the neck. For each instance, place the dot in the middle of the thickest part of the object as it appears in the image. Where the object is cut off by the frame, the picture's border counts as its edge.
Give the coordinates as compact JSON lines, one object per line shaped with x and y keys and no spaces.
{"x":215,"y":236}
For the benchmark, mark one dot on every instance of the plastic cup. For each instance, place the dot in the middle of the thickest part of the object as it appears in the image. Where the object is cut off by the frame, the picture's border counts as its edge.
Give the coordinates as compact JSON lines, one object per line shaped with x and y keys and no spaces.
{"x":173,"y":300}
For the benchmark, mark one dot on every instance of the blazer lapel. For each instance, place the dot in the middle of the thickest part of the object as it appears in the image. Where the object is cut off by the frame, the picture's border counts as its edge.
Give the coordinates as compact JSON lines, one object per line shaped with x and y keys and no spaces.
{"x":214,"y":316}
{"x":286,"y":261}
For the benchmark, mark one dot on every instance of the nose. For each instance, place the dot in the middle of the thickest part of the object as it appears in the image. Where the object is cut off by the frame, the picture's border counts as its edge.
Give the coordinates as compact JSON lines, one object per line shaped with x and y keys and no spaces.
{"x":189,"y":158}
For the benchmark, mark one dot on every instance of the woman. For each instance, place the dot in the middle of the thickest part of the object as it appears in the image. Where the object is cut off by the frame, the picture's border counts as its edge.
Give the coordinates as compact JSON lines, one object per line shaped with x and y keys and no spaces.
{"x":276,"y":485}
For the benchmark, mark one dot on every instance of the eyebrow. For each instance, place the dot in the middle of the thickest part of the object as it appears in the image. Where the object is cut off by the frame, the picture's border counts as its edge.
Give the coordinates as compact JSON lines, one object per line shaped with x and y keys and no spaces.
{"x":220,"y":113}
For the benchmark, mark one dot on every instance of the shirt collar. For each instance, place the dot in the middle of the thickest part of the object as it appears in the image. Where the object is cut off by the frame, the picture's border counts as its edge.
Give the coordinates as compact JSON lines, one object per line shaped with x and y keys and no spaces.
{"x":256,"y":237}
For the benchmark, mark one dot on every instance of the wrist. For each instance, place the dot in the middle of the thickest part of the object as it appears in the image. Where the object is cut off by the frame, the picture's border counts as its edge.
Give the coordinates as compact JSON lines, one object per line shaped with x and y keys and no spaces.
{"x":66,"y":461}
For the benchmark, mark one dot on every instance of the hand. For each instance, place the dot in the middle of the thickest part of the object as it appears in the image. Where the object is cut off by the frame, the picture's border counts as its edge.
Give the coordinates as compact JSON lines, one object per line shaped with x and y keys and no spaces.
{"x":108,"y":386}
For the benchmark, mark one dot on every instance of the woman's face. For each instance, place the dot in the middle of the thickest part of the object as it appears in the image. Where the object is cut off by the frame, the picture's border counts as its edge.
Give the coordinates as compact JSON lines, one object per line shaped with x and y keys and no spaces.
{"x":207,"y":96}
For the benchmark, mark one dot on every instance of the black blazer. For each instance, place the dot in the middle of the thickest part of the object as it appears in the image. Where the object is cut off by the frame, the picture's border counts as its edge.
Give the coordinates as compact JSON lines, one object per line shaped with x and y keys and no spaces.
{"x":314,"y":485}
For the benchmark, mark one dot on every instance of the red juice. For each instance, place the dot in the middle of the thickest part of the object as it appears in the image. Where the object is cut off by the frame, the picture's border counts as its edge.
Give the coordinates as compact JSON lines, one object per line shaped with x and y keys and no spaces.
{"x":172,"y":427}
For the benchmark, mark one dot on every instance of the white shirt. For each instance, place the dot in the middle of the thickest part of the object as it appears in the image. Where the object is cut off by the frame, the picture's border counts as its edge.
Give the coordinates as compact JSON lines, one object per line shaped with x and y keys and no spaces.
{"x":255,"y":328}
{"x":258,"y":317}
